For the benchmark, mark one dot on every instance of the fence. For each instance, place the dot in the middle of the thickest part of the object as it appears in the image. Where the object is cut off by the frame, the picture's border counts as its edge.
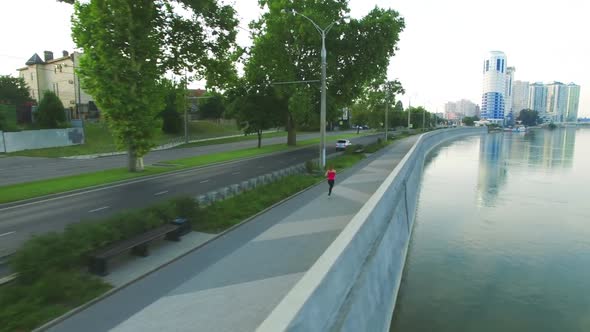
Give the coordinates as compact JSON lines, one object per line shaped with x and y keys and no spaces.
{"x":39,"y":139}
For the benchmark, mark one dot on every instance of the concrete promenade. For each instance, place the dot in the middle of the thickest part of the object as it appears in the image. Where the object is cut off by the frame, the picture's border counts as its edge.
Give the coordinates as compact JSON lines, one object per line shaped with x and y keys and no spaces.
{"x":235,"y":281}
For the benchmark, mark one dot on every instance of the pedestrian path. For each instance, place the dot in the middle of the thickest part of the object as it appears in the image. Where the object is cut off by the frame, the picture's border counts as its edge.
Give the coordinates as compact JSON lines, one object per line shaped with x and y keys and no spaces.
{"x":235,"y":281}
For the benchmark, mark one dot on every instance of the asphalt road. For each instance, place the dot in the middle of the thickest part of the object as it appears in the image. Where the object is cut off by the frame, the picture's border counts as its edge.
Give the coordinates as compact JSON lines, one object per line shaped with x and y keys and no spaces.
{"x":19,"y":222}
{"x":14,"y":170}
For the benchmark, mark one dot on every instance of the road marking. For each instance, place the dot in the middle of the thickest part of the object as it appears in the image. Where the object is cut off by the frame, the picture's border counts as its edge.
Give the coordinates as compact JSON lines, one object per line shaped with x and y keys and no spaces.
{"x":161,"y":193}
{"x":204,"y":181}
{"x":99,"y":209}
{"x":7,"y":233}
{"x":235,"y":173}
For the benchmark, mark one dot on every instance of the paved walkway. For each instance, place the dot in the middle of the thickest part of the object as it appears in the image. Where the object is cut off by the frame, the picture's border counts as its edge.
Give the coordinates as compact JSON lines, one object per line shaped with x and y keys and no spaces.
{"x":234,"y":282}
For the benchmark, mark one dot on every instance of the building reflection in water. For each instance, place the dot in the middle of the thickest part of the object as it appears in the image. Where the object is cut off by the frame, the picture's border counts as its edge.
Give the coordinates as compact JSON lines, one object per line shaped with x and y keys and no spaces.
{"x":546,"y":150}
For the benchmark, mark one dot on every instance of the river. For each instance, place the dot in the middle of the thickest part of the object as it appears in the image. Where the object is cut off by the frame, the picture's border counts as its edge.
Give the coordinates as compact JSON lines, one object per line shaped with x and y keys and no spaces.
{"x":501,"y":240}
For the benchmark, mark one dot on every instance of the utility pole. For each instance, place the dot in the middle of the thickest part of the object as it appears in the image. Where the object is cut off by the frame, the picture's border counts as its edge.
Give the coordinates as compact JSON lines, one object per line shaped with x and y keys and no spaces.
{"x":409,"y":111}
{"x":424,"y":119}
{"x":386,"y":111}
{"x":322,"y":32}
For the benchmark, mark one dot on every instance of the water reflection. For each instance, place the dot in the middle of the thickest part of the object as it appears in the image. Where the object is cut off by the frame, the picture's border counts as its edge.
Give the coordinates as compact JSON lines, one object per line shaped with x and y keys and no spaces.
{"x":501,"y":240}
{"x":539,"y":149}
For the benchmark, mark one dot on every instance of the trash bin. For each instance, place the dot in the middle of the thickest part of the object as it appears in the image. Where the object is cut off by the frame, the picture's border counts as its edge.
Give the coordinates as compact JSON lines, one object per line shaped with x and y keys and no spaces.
{"x":185,"y":225}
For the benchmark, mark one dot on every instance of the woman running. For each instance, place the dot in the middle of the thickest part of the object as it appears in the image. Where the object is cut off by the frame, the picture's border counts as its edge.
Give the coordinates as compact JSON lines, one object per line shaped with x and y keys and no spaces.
{"x":331,"y":175}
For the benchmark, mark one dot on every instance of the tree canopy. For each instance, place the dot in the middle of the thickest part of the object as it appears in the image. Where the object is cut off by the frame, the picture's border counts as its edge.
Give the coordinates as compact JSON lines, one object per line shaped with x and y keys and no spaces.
{"x":50,"y":113}
{"x":13,"y":90}
{"x":286,"y":48}
{"x":130,"y":44}
{"x":255,"y":110}
{"x":529,"y":117}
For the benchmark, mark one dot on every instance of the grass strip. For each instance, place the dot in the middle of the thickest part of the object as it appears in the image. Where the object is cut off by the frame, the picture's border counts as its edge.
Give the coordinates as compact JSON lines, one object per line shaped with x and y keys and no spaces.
{"x":51,"y":278}
{"x":21,"y":191}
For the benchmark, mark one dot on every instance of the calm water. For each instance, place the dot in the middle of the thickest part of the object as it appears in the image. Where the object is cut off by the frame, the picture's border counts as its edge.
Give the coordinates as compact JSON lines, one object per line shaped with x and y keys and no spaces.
{"x":501,"y":240}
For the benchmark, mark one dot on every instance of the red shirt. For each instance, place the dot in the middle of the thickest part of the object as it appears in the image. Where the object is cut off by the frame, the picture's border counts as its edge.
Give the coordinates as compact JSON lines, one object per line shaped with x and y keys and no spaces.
{"x":331,"y":174}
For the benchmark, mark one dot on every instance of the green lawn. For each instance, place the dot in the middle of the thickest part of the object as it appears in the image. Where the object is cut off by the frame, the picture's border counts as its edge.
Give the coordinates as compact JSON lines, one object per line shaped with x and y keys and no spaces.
{"x":99,"y":139}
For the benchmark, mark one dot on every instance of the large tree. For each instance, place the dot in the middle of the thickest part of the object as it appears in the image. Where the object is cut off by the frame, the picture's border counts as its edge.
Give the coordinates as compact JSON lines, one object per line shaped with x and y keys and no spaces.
{"x":529,"y":117}
{"x":50,"y":113}
{"x":286,"y":48}
{"x":255,"y":108}
{"x":128,"y":46}
{"x":13,"y":90}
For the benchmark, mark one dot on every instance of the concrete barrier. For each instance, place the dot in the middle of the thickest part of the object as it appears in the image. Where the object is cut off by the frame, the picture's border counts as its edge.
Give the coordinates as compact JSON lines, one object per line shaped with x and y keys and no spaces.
{"x":44,"y":138}
{"x":353,"y":286}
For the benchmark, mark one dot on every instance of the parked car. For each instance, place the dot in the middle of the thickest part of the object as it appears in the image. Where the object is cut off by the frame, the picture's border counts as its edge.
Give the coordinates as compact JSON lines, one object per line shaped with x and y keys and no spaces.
{"x":341,"y":144}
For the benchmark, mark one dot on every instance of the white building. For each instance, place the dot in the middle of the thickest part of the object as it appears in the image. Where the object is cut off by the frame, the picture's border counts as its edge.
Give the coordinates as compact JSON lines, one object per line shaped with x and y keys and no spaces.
{"x":538,"y":99}
{"x":58,"y":75}
{"x":493,"y":101}
{"x":520,"y":96}
{"x":509,"y":116}
{"x":573,"y":101}
{"x":556,"y":101}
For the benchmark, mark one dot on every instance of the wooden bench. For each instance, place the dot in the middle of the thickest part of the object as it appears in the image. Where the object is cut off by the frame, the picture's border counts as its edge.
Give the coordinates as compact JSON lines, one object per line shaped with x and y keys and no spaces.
{"x":138,"y":245}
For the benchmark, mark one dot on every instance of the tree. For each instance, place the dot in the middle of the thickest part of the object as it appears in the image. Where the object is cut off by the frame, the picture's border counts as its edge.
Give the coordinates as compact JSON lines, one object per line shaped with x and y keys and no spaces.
{"x":255,"y":109}
{"x":128,"y":46}
{"x":529,"y":117}
{"x":174,"y":95}
{"x":286,"y":49}
{"x":50,"y":113}
{"x":470,"y":120}
{"x":13,"y":90}
{"x":212,"y":107}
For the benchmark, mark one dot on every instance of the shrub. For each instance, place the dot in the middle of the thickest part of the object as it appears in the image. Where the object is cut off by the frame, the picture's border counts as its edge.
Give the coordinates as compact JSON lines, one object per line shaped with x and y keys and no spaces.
{"x":50,"y":113}
{"x":311,"y":166}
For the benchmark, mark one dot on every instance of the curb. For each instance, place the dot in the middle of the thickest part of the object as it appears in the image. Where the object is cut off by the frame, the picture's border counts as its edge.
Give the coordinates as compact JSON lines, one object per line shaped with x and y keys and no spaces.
{"x":112,"y":291}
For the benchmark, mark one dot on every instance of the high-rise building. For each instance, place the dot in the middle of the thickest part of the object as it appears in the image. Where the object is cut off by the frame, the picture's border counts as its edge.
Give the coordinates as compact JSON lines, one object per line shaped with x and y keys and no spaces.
{"x":556,"y":101}
{"x":573,"y":101}
{"x":520,"y":97}
{"x":538,"y":99}
{"x":509,"y":116}
{"x":494,"y":87}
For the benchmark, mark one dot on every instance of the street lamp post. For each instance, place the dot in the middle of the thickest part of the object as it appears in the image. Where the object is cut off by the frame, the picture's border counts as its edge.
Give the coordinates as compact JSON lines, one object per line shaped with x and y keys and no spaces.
{"x":323,"y":33}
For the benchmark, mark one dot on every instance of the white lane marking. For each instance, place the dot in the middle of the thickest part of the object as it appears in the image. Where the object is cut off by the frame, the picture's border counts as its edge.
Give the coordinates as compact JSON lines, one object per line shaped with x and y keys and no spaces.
{"x":7,"y":233}
{"x":99,"y":209}
{"x":161,"y":193}
{"x":204,"y":181}
{"x":235,"y":173}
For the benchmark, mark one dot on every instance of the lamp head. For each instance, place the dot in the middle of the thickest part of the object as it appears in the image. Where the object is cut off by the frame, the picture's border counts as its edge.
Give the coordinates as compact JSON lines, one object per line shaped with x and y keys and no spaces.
{"x":288,"y":11}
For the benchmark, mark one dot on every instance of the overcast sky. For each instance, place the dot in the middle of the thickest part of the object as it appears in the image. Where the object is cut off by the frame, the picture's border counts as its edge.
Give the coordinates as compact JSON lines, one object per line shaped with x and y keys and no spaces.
{"x":441,"y":49}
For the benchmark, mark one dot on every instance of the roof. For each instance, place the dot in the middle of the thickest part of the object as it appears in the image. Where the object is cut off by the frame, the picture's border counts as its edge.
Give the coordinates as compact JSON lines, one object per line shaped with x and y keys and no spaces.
{"x":34,"y":60}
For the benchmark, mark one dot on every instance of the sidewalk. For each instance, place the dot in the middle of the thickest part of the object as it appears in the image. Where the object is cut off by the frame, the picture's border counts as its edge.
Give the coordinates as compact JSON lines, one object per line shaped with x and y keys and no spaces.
{"x":234,"y":282}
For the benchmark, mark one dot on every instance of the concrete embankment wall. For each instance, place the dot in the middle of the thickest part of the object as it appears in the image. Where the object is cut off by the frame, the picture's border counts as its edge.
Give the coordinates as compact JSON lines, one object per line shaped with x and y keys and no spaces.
{"x":38,"y":139}
{"x":353,"y":286}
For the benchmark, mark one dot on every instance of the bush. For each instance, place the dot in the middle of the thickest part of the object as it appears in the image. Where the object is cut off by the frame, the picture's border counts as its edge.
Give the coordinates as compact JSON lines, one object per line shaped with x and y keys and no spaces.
{"x":50,"y":113}
{"x":311,"y":167}
{"x":57,"y":252}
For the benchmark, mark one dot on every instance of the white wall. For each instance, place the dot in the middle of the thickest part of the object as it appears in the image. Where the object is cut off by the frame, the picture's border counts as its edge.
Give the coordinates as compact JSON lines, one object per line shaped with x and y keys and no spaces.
{"x":353,"y":286}
{"x":38,"y":139}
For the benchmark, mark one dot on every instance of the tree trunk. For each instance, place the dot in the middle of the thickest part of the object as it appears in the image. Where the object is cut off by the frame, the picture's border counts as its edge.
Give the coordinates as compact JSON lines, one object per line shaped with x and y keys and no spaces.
{"x":291,"y":134}
{"x":259,"y":132}
{"x":131,"y":159}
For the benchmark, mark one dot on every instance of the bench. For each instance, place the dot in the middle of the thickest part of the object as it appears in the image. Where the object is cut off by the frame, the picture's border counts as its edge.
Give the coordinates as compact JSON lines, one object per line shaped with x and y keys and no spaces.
{"x":138,"y":245}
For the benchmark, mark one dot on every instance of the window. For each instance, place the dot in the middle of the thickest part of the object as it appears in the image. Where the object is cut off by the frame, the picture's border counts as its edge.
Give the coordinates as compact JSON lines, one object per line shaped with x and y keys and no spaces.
{"x":487,"y":65}
{"x":498,"y":64}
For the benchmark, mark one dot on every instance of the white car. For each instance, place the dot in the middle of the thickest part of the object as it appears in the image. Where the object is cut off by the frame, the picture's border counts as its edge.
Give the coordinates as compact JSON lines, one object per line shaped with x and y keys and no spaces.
{"x":341,"y":144}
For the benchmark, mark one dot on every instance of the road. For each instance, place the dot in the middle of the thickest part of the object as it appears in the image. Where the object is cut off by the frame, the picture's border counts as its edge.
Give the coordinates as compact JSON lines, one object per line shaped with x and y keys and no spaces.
{"x":19,"y":222}
{"x":18,"y":169}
